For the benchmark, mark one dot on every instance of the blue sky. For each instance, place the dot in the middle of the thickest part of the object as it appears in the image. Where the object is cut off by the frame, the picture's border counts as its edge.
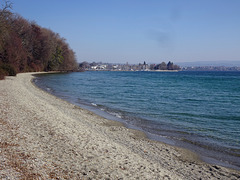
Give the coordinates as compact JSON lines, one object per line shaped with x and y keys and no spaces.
{"x":141,"y":30}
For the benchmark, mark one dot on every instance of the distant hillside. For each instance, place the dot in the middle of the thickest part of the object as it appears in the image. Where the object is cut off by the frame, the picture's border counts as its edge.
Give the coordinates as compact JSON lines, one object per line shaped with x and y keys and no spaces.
{"x":210,"y":63}
{"x":25,"y":46}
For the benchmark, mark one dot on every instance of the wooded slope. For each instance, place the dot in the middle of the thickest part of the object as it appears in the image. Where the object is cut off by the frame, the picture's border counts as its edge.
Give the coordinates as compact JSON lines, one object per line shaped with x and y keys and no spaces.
{"x":25,"y":46}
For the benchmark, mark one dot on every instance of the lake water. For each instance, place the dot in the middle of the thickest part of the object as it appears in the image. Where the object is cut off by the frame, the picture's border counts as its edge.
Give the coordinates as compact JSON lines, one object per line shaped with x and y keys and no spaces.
{"x":195,"y":110}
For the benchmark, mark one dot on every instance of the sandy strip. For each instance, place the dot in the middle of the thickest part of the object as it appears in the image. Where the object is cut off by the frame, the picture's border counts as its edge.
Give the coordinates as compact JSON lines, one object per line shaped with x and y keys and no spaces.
{"x":44,"y":137}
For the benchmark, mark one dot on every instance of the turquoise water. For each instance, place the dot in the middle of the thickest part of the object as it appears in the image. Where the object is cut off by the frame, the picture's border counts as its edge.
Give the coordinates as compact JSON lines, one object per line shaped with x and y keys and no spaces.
{"x":196,"y":110}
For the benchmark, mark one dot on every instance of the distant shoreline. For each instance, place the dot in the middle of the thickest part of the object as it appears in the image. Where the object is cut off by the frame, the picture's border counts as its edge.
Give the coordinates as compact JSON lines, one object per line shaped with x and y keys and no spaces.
{"x":137,"y":70}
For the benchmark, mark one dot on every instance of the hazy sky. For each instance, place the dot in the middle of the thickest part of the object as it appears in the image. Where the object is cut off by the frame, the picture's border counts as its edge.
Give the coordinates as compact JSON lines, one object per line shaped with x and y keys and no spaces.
{"x":141,"y":30}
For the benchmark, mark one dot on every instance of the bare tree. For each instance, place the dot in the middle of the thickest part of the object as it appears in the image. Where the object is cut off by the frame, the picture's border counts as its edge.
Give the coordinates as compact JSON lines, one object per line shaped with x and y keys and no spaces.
{"x":5,"y":12}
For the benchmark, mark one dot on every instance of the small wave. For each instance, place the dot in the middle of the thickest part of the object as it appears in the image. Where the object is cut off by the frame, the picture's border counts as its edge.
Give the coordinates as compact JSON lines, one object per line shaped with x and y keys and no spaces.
{"x":93,"y":104}
{"x":115,"y":114}
{"x":48,"y":89}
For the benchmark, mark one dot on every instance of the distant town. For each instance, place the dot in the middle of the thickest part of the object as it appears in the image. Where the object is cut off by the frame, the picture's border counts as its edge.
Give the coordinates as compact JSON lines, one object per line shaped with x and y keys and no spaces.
{"x":85,"y":66}
{"x":170,"y":66}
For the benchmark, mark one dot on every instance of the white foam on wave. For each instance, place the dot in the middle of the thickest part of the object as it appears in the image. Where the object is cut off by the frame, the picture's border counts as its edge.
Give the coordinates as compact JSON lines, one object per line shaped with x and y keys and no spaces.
{"x":93,"y":104}
{"x":115,"y":114}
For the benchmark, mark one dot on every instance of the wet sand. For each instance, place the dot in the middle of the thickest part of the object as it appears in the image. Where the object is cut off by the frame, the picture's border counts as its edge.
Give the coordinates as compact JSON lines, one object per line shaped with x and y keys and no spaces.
{"x":42,"y":136}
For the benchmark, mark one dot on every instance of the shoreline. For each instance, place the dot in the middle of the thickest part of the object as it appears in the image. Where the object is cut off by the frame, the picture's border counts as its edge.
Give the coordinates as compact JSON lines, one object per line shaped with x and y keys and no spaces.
{"x":53,"y":138}
{"x":209,"y":154}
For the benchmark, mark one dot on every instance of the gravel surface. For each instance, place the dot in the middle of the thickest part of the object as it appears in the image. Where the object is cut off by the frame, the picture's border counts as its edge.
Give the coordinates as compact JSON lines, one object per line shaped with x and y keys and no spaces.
{"x":44,"y":137}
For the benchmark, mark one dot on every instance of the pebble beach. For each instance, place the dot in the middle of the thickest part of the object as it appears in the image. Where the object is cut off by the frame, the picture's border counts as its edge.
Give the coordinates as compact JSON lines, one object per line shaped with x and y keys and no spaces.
{"x":44,"y":137}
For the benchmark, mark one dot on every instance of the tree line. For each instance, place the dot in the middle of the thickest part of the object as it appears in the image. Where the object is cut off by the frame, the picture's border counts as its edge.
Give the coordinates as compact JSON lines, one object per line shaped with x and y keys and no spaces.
{"x":28,"y":47}
{"x":164,"y":66}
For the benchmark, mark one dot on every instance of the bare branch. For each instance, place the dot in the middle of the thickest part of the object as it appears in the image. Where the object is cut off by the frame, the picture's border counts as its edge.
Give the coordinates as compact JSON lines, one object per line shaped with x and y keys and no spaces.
{"x":7,"y":5}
